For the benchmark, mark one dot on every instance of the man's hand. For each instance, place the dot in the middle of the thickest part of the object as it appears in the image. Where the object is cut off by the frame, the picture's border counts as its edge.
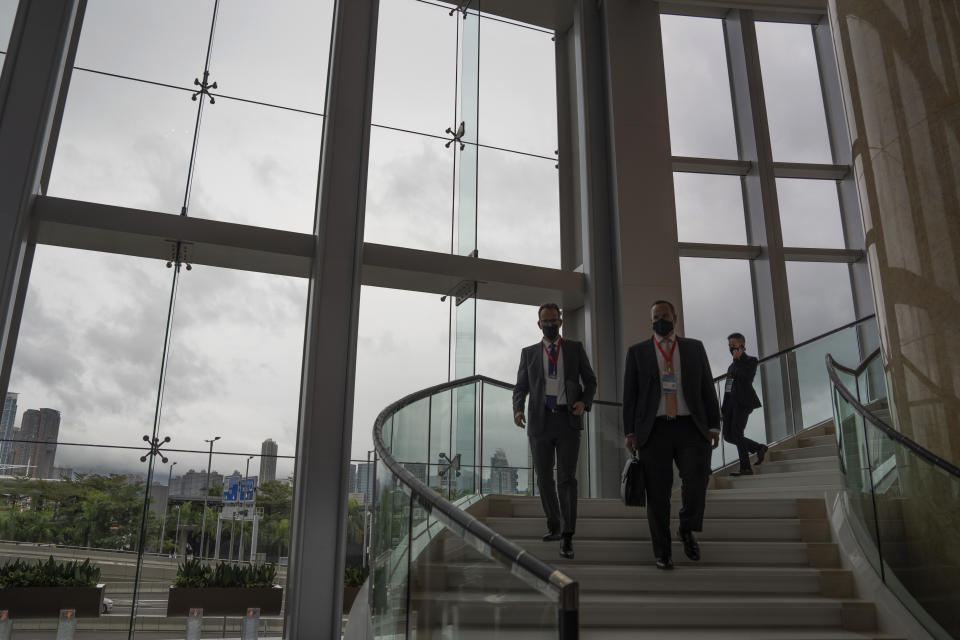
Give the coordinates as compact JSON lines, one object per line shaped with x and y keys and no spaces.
{"x":578,"y":408}
{"x":714,"y":439}
{"x":631,"y":443}
{"x":519,"y":419}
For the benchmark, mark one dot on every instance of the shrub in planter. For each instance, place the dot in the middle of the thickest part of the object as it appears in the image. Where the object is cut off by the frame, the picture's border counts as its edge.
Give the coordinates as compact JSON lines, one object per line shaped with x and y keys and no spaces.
{"x":225,"y":589}
{"x":353,"y":578}
{"x":43,"y":588}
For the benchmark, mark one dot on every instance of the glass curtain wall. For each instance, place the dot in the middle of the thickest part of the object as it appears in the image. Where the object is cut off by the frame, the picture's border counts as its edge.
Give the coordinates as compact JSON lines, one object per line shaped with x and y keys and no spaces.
{"x":143,"y":390}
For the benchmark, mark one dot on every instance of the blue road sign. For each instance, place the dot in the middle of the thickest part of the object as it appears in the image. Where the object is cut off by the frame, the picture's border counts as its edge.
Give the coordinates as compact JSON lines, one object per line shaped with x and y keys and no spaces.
{"x":248,"y":489}
{"x":231,"y":489}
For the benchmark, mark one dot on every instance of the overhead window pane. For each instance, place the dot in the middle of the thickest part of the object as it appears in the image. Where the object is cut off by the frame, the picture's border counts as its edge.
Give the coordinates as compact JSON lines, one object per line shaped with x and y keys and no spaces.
{"x":518,"y":93}
{"x":698,"y":87}
{"x":791,"y":89}
{"x":820,"y":297}
{"x":709,"y":208}
{"x":8,"y":12}
{"x":810,"y":213}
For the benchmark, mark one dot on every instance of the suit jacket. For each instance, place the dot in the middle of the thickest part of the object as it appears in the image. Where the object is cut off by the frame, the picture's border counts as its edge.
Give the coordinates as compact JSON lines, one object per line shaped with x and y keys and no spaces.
{"x":531,"y":380}
{"x":641,"y":388}
{"x":742,"y":371}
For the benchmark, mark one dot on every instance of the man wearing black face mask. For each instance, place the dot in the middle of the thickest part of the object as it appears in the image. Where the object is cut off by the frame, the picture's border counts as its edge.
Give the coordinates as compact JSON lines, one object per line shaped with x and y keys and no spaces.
{"x":561,"y":384}
{"x":739,"y":400}
{"x":671,"y":414}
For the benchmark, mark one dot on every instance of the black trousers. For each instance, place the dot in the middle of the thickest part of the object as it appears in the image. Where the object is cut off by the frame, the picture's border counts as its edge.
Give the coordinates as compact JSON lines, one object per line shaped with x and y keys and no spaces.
{"x":734,"y":423}
{"x":559,"y":444}
{"x":674,"y":441}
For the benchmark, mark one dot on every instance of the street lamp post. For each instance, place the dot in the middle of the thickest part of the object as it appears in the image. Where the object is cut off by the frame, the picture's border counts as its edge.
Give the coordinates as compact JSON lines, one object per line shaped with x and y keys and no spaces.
{"x":203,"y":523}
{"x":176,"y":534}
{"x":243,"y":521}
{"x":163,"y":521}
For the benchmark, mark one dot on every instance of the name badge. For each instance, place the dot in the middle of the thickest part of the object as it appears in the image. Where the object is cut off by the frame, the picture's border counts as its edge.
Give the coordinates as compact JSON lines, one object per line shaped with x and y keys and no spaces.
{"x":728,"y":387}
{"x":669,"y":383}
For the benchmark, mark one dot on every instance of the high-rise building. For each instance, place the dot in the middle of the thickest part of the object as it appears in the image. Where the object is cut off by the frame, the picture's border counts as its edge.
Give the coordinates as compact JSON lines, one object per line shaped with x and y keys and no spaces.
{"x":37,"y":449}
{"x":352,"y":486}
{"x":365,"y":481}
{"x":503,"y":478}
{"x":194,"y":483}
{"x":7,"y":419}
{"x":268,"y":461}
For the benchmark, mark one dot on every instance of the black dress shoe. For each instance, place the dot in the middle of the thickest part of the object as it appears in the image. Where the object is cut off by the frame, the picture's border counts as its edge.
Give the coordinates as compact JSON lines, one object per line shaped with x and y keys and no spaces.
{"x":566,"y":548}
{"x":665,"y":563}
{"x":742,"y":472}
{"x":551,"y":536}
{"x":761,"y":453}
{"x":690,"y":546}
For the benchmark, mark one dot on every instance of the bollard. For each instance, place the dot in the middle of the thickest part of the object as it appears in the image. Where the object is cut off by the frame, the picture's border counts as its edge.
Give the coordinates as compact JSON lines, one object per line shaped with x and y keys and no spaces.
{"x":194,"y":624}
{"x":67,"y":625}
{"x":251,"y":624}
{"x":6,"y":625}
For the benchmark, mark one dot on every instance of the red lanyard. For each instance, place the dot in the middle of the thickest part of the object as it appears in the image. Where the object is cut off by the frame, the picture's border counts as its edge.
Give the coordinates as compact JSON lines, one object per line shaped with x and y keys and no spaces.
{"x":666,"y":358}
{"x":553,"y":359}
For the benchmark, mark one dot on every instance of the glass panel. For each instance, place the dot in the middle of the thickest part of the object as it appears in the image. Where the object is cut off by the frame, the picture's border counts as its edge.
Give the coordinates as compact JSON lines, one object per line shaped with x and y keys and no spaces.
{"x":791,"y":89}
{"x":503,"y":329}
{"x":409,"y":191}
{"x":813,"y":382}
{"x":386,"y":345}
{"x":257,"y":165}
{"x":519,"y":209}
{"x":717,"y":301}
{"x":810,"y":213}
{"x":248,"y":61}
{"x":698,"y":87}
{"x":604,"y":433}
{"x":411,"y":426}
{"x":163,"y":42}
{"x":215,"y":386}
{"x":506,"y":452}
{"x":455,"y":590}
{"x":390,"y":569}
{"x":518,"y":92}
{"x":90,"y":347}
{"x":8,"y":13}
{"x":466,"y":418}
{"x":416,"y":47}
{"x":131,"y":150}
{"x":812,"y":283}
{"x":709,"y":208}
{"x":441,"y":416}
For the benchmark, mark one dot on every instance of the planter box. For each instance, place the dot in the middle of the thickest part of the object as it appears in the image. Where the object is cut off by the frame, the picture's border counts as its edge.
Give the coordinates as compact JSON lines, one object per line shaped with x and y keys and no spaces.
{"x":46,"y":602}
{"x":225,"y":601}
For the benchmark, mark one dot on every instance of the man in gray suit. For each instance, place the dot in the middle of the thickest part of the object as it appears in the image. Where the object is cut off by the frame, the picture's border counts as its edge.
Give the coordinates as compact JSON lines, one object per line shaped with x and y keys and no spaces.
{"x":557,"y":376}
{"x":671,"y":414}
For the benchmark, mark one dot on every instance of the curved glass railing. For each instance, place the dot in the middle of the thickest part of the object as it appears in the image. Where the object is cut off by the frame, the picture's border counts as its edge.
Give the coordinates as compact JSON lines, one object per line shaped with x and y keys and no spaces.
{"x":436,"y":568}
{"x":903,"y":502}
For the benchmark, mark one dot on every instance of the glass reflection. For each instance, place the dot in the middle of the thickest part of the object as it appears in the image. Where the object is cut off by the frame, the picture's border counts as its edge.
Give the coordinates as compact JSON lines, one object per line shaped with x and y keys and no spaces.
{"x":132,"y":150}
{"x":698,"y":87}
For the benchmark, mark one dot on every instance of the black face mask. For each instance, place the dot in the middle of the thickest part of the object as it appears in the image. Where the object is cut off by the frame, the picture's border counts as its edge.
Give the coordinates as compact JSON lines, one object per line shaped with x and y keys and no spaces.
{"x":662,"y":327}
{"x":551,"y":332}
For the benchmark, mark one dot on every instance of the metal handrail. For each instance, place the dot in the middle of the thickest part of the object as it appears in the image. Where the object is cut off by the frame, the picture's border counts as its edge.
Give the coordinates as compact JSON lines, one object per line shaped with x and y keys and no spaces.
{"x":552,"y":582}
{"x":869,"y":417}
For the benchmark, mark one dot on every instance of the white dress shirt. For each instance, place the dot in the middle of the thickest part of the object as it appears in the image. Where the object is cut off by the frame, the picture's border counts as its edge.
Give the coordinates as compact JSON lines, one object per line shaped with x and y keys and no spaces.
{"x":555,"y":386}
{"x":666,"y":344}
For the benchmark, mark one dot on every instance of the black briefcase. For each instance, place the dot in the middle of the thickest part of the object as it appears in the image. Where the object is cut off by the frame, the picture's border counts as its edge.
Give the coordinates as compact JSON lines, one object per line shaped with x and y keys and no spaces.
{"x":633,"y":489}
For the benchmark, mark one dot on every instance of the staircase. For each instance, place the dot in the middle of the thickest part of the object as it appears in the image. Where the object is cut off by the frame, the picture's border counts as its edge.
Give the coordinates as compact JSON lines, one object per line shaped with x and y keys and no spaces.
{"x":768,"y":568}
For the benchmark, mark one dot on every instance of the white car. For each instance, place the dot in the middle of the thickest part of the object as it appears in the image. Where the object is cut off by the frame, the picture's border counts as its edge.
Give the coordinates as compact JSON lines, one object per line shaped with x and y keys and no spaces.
{"x":107,"y":605}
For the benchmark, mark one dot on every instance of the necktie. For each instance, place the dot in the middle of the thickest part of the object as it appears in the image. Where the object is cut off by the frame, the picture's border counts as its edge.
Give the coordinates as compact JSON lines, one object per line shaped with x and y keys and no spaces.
{"x":552,"y":373}
{"x":671,"y":397}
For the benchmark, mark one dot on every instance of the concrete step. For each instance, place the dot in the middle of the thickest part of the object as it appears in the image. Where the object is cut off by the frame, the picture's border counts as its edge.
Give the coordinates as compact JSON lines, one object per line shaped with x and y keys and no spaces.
{"x":726,"y":505}
{"x":660,"y":633}
{"x":829,"y":463}
{"x":817,"y":441}
{"x":795,"y":453}
{"x":760,"y":490}
{"x":600,"y":578}
{"x":627,"y":552}
{"x":648,"y":611}
{"x":790,"y":479}
{"x":789,"y":529}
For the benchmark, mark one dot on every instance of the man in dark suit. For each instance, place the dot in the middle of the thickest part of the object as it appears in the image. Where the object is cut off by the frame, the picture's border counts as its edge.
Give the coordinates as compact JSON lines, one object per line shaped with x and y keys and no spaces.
{"x":671,"y":414}
{"x":739,"y":400}
{"x":557,"y":376}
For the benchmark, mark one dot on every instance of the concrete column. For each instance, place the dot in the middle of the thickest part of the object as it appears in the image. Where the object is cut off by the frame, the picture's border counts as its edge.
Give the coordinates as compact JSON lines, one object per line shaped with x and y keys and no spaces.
{"x":899,"y":68}
{"x":322,"y":472}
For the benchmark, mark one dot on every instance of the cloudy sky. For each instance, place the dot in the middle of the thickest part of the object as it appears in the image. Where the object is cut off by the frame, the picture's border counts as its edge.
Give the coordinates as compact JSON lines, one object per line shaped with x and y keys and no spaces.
{"x":93,"y":328}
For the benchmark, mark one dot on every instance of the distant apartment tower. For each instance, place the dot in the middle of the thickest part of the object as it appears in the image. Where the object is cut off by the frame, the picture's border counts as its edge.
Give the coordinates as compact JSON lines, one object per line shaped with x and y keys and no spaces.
{"x":194,"y":483}
{"x":503,"y":478}
{"x":268,"y":461}
{"x":7,"y":419}
{"x":35,"y":453}
{"x":365,"y":481}
{"x":352,"y":487}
